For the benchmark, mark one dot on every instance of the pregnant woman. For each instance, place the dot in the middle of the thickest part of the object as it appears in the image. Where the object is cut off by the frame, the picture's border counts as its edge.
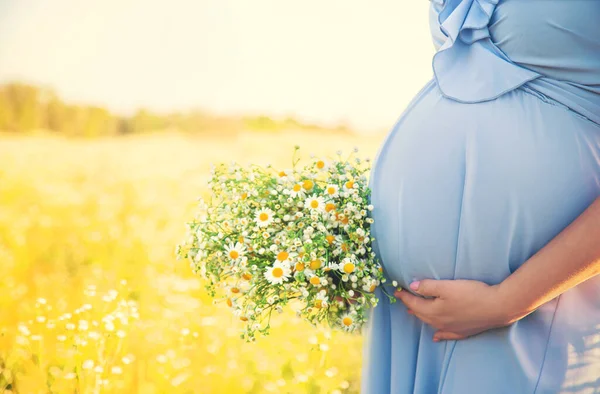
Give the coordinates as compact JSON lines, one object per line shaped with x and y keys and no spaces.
{"x":487,"y":208}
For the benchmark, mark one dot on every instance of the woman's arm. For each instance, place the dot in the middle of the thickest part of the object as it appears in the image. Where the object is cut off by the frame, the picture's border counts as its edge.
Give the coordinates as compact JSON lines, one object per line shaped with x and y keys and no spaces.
{"x":567,"y":260}
{"x":464,"y":307}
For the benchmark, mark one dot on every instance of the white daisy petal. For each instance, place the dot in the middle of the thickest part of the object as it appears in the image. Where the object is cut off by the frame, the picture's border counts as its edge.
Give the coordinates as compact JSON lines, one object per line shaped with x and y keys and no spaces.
{"x":264,"y":217}
{"x":297,"y":190}
{"x":348,"y":322}
{"x":315,"y":203}
{"x":235,"y":252}
{"x":322,"y":164}
{"x":278,"y":273}
{"x":332,"y":190}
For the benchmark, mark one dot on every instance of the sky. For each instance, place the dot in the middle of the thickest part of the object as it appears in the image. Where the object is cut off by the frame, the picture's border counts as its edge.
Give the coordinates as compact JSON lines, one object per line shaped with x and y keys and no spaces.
{"x":322,"y":61}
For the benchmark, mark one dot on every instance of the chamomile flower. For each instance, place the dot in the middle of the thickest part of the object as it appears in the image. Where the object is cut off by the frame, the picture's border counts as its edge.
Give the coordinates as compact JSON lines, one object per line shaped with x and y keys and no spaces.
{"x":308,"y":185}
{"x":322,"y":300}
{"x":285,"y":257}
{"x":348,"y":322}
{"x":370,"y":285}
{"x":330,"y":265}
{"x":342,"y":245}
{"x":330,"y":208}
{"x":349,"y":185}
{"x":278,"y":273}
{"x":286,"y":175}
{"x":330,"y":238}
{"x":332,"y":190}
{"x":315,"y":264}
{"x":322,"y":165}
{"x":264,"y":217}
{"x":347,"y":266}
{"x":235,"y":252}
{"x":315,"y":203}
{"x":297,"y":190}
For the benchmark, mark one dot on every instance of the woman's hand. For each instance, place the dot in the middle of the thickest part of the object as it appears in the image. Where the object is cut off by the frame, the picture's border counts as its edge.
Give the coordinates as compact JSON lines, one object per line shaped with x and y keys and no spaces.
{"x":461,"y":308}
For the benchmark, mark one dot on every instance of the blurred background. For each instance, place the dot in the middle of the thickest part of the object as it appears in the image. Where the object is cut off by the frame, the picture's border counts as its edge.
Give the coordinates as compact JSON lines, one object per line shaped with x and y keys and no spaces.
{"x":110,"y":115}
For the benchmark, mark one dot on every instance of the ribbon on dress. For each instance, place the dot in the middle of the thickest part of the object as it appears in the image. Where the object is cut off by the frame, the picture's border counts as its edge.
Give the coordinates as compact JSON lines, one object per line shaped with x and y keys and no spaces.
{"x":468,"y":67}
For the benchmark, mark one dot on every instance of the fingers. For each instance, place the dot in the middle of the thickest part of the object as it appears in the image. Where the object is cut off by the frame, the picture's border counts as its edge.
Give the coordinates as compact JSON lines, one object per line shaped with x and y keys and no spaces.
{"x":428,"y":287}
{"x":416,"y":306}
{"x":413,"y":302}
{"x":446,"y":336}
{"x":425,"y":319}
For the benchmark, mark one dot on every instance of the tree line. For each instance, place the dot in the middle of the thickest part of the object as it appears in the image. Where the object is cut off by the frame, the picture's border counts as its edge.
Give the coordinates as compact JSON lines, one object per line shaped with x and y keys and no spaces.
{"x":25,"y":107}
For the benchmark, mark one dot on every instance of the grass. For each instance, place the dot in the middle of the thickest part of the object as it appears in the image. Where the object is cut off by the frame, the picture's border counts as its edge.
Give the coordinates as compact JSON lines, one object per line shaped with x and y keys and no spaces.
{"x":93,"y":300}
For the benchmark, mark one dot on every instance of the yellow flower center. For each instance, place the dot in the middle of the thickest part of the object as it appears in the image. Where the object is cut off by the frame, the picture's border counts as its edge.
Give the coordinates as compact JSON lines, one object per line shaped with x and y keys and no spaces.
{"x":348,"y":268}
{"x":243,"y":318}
{"x":282,"y":173}
{"x":331,"y":190}
{"x":282,"y":256}
{"x":235,"y":290}
{"x":372,"y":288}
{"x":297,"y":187}
{"x":308,"y":184}
{"x":241,"y":239}
{"x":234,"y":254}
{"x":314,"y":204}
{"x":330,"y":239}
{"x":263,"y":217}
{"x":299,"y":267}
{"x":315,"y":280}
{"x":318,"y":303}
{"x":246,"y":276}
{"x":277,"y":272}
{"x":315,"y":264}
{"x":349,"y":184}
{"x":320,"y":164}
{"x":345,"y":247}
{"x":347,"y":321}
{"x":229,"y":302}
{"x":329,"y":207}
{"x":244,"y":196}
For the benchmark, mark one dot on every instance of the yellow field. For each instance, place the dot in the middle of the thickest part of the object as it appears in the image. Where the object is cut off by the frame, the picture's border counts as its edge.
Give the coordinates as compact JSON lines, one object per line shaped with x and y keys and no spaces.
{"x":92,"y":298}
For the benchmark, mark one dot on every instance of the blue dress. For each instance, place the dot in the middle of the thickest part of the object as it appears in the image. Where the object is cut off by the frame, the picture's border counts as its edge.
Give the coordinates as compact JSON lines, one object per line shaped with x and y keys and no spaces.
{"x":495,"y":156}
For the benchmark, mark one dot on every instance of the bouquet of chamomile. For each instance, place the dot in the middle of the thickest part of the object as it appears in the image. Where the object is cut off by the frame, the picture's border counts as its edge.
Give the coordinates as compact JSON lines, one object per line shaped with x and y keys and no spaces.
{"x":267,"y":237}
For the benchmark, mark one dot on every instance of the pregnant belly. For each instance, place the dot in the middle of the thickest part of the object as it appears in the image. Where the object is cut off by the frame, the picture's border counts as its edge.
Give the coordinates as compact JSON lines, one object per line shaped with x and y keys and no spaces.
{"x":471,"y":191}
